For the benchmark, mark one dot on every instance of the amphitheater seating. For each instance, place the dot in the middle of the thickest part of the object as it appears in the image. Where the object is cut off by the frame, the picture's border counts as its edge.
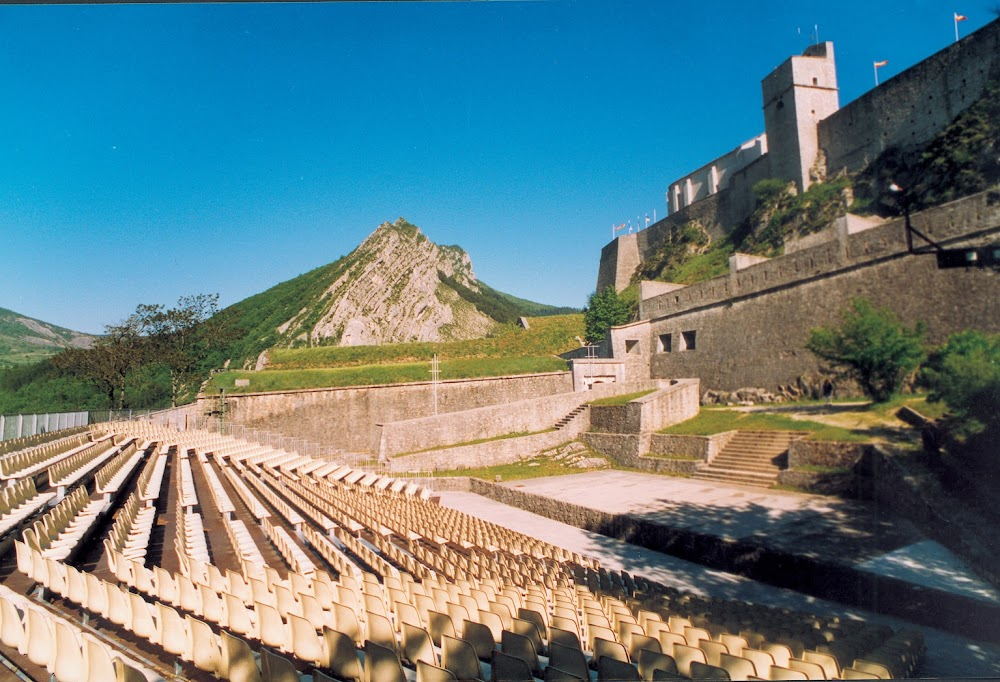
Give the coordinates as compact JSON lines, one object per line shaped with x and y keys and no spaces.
{"x":409,"y":584}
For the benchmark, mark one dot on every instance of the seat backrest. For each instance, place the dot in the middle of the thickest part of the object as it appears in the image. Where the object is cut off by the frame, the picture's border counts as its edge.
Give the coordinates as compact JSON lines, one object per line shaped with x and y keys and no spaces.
{"x":879,"y":670}
{"x":781,"y":653}
{"x":780,"y":672}
{"x":340,"y":655}
{"x":564,"y":637}
{"x":238,"y":664}
{"x":639,"y":642}
{"x":417,"y":645}
{"x":381,"y":664}
{"x":611,"y":649}
{"x":685,"y":655}
{"x":432,"y":673}
{"x":520,"y":646}
{"x":650,"y":661}
{"x":528,"y":629}
{"x":712,"y":650}
{"x":828,"y":662}
{"x":813,"y":671}
{"x":277,"y":668}
{"x":762,"y":661}
{"x":612,"y":669}
{"x":508,"y":668}
{"x":554,"y":674}
{"x":704,"y":671}
{"x":668,"y":640}
{"x":68,"y":661}
{"x":568,"y":658}
{"x":460,"y":658}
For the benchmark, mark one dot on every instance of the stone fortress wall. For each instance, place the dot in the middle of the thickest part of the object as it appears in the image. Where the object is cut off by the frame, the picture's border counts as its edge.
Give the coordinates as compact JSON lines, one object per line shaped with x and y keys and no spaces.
{"x":749,"y":328}
{"x":806,"y":134}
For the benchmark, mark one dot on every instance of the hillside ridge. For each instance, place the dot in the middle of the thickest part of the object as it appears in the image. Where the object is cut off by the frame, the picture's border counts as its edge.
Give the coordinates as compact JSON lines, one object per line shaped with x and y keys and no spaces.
{"x":25,"y":339}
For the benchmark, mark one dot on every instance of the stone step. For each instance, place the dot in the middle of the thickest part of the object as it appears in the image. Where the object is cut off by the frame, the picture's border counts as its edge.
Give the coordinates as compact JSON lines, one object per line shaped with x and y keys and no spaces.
{"x":735,"y":476}
{"x":736,"y":464}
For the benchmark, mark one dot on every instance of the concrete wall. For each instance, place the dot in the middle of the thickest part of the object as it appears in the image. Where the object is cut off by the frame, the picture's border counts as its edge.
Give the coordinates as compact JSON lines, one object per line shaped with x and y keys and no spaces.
{"x":669,"y":405}
{"x":751,"y":328}
{"x":345,"y":418}
{"x":699,"y":447}
{"x":523,"y":416}
{"x":910,"y":108}
{"x":714,"y":176}
{"x":629,"y":450}
{"x":482,"y":454}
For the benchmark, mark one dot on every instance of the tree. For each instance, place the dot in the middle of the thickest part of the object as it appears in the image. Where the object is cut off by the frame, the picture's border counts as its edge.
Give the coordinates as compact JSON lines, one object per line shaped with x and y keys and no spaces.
{"x":182,"y":338}
{"x":871,"y":347}
{"x":964,"y":374}
{"x":110,"y":361}
{"x":604,"y":309}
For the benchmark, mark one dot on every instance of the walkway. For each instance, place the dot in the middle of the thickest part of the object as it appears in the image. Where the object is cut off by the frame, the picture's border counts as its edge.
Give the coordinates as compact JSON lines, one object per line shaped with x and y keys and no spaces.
{"x":746,"y":512}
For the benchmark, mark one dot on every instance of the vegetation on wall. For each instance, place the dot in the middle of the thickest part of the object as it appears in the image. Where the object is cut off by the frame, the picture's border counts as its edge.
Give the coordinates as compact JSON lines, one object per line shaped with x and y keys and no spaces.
{"x":870,"y":347}
{"x":604,"y":309}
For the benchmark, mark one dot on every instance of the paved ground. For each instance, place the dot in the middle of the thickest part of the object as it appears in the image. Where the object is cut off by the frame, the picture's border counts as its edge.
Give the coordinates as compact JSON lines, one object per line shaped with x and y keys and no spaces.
{"x":829,"y":527}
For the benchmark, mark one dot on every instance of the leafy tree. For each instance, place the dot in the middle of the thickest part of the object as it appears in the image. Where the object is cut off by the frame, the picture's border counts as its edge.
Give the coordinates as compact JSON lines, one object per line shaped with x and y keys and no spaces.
{"x":181,"y":338}
{"x":871,"y":347}
{"x":964,"y":374}
{"x":111,"y":359}
{"x":604,"y":309}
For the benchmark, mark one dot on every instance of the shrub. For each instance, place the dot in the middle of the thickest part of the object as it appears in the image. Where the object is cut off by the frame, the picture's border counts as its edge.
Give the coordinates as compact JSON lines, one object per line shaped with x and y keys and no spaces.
{"x":604,"y":309}
{"x":964,"y":374}
{"x":871,"y":347}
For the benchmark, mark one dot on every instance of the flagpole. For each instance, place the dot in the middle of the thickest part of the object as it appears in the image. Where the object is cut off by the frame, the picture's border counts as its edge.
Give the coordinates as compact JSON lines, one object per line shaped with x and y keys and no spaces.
{"x":875,"y":68}
{"x":954,"y":16}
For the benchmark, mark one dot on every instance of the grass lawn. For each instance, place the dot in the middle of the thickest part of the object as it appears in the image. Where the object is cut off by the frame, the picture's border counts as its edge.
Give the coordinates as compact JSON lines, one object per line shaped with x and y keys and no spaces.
{"x":712,"y":420}
{"x":620,"y":399}
{"x":537,"y":467}
{"x":366,"y":375}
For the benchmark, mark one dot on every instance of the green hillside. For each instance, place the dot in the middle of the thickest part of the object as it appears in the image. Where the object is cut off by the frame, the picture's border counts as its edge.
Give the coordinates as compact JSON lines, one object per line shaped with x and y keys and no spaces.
{"x":24,"y":339}
{"x":512,"y":350}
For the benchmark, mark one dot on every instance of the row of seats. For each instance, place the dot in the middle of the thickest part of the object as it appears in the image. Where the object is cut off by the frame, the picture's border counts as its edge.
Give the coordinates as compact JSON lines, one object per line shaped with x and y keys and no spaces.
{"x":60,"y":646}
{"x":110,"y":478}
{"x":20,"y":463}
{"x":50,"y":439}
{"x":219,"y":495}
{"x":447,"y":535}
{"x":293,"y":554}
{"x":151,"y":478}
{"x":60,"y":530}
{"x":70,"y":470}
{"x":131,"y":530}
{"x":20,"y":501}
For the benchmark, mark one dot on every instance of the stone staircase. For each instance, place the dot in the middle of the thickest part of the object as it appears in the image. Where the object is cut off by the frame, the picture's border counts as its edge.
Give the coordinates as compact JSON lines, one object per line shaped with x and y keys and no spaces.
{"x":750,"y":458}
{"x":577,"y":411}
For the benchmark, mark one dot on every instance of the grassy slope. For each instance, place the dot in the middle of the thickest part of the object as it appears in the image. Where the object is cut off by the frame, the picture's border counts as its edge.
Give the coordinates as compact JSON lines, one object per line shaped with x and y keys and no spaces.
{"x":514,"y":351}
{"x":19,"y":344}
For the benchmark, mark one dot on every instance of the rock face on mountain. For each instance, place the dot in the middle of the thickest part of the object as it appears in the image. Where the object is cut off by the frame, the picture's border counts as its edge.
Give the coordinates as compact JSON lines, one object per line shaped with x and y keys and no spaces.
{"x":24,"y":339}
{"x":396,"y":286}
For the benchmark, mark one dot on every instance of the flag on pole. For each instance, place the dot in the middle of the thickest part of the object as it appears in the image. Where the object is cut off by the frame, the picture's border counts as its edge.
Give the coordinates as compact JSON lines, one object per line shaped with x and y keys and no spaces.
{"x":647,"y":218}
{"x":620,"y":227}
{"x":958,"y":18}
{"x":879,"y":65}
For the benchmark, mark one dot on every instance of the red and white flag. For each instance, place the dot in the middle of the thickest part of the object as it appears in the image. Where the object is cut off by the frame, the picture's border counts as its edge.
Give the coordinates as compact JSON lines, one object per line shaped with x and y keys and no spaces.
{"x":881,"y":63}
{"x":960,"y":17}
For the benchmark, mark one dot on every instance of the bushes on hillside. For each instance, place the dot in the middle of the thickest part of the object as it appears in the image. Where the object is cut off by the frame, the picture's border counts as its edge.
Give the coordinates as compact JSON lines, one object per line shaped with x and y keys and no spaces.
{"x":964,"y":374}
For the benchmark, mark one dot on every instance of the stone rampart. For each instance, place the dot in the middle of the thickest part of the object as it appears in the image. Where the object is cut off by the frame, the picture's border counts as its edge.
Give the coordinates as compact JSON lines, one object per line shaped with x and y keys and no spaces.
{"x":912,"y":107}
{"x":694,"y":447}
{"x":492,"y":453}
{"x":826,"y":454}
{"x":345,"y":418}
{"x":670,"y":404}
{"x":751,"y":326}
{"x":523,"y":416}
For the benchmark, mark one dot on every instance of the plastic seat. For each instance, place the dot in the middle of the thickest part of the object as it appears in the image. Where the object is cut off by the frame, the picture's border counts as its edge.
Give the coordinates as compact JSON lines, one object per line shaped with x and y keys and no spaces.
{"x":172,"y":631}
{"x":237,"y":661}
{"x":481,"y":639}
{"x":713,"y":650}
{"x":143,"y":624}
{"x":611,"y":649}
{"x":119,"y":608}
{"x":762,"y":661}
{"x":668,"y":640}
{"x":508,"y":668}
{"x":493,"y":622}
{"x":97,"y":660}
{"x":459,"y":656}
{"x":432,"y":673}
{"x":734,"y":643}
{"x":693,"y":635}
{"x":305,"y":643}
{"x":67,"y":662}
{"x":554,"y":674}
{"x":521,"y":647}
{"x":650,"y":661}
{"x":236,"y":617}
{"x":275,"y":668}
{"x":39,"y":641}
{"x":831,"y":668}
{"x":11,"y":626}
{"x":779,"y":672}
{"x":271,"y":627}
{"x":126,"y":673}
{"x":738,"y":668}
{"x":439,"y":624}
{"x":203,"y":645}
{"x":704,"y":671}
{"x":877,"y":670}
{"x":639,"y":642}
{"x":813,"y":671}
{"x":530,"y":630}
{"x":781,"y":653}
{"x":614,"y":670}
{"x":340,"y":655}
{"x":569,"y":659}
{"x":685,"y":655}
{"x":417,"y":645}
{"x":382,"y":664}
{"x":346,"y":620}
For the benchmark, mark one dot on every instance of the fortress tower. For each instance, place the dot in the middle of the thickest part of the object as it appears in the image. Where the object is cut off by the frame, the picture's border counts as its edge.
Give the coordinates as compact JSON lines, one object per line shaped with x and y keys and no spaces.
{"x":797,"y":96}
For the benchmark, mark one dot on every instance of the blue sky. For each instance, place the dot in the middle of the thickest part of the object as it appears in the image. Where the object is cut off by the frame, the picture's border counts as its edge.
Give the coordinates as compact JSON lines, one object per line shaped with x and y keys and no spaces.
{"x":155,"y":151}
